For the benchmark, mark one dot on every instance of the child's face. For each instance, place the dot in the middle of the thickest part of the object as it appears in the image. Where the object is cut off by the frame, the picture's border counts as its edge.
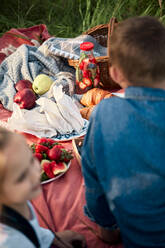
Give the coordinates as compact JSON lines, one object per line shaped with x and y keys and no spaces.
{"x":22,"y":178}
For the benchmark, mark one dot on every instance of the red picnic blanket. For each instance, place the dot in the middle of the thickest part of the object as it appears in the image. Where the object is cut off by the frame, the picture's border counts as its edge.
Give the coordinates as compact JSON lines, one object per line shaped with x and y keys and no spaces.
{"x":16,"y":37}
{"x":60,"y":205}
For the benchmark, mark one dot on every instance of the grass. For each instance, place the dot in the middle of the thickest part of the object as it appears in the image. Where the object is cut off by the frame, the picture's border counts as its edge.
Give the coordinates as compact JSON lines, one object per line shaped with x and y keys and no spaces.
{"x":69,"y":18}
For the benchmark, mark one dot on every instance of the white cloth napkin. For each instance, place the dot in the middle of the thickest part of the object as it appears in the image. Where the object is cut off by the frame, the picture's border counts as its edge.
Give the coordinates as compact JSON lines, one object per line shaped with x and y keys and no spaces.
{"x":53,"y":115}
{"x":68,"y":109}
{"x":30,"y":121}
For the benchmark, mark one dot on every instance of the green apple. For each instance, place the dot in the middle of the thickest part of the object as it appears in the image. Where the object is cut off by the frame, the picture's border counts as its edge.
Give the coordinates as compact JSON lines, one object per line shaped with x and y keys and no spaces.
{"x":41,"y":84}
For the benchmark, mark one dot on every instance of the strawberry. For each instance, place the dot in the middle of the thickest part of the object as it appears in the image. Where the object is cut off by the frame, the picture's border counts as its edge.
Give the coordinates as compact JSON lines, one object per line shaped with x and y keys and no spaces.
{"x":55,"y":153}
{"x":52,"y":142}
{"x":87,"y":81}
{"x":38,"y":156}
{"x":48,"y":168}
{"x":42,"y":141}
{"x":82,"y":85}
{"x":40,"y":148}
{"x":47,"y":142}
{"x":66,"y":156}
{"x":85,"y":74}
{"x":81,"y":65}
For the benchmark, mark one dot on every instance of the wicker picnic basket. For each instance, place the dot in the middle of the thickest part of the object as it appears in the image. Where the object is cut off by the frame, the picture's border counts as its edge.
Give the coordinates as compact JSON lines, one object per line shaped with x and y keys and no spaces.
{"x":102,"y":34}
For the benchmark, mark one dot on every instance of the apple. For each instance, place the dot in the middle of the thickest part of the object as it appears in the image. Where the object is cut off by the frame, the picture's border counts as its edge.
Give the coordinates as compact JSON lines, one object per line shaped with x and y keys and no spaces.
{"x":41,"y":84}
{"x":23,"y":84}
{"x":25,"y":98}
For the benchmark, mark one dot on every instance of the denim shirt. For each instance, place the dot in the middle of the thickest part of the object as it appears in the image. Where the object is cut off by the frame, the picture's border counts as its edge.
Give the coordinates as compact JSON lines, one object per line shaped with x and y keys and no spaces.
{"x":123,"y":163}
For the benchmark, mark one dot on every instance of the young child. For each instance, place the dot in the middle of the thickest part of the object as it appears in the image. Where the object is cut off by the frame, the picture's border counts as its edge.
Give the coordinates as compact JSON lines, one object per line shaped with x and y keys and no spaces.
{"x":123,"y":157}
{"x":20,"y":183}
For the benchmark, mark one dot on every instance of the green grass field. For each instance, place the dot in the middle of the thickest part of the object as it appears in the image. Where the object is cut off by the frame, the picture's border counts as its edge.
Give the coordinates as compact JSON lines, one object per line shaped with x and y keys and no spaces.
{"x":69,"y":18}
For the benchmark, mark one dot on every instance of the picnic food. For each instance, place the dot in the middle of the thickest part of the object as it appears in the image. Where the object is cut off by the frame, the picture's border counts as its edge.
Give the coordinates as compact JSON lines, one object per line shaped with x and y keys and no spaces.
{"x":52,"y":168}
{"x":41,"y":84}
{"x":86,"y":112}
{"x":87,"y":71}
{"x":54,"y":158}
{"x":55,"y":153}
{"x":23,"y":84}
{"x":25,"y":98}
{"x":94,"y":96}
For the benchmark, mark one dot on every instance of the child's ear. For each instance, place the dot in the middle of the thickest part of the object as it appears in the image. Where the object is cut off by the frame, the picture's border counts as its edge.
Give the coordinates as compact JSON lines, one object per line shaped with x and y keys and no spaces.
{"x":116,"y":74}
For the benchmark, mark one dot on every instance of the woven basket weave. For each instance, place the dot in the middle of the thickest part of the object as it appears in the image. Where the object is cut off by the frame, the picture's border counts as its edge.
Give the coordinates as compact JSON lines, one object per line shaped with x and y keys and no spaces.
{"x":102,"y":35}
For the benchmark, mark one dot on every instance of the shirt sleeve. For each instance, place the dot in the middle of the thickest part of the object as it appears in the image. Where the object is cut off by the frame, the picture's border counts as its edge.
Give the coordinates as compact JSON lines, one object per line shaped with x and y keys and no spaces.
{"x":96,"y":208}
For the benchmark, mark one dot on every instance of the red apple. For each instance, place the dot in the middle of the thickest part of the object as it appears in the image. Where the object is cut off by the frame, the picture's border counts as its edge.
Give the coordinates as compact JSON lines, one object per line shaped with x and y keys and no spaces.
{"x":25,"y":98}
{"x":23,"y":84}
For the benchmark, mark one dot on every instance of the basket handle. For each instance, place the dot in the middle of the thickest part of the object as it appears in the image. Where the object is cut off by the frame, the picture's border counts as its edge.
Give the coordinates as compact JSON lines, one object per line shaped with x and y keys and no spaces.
{"x":111,"y":25}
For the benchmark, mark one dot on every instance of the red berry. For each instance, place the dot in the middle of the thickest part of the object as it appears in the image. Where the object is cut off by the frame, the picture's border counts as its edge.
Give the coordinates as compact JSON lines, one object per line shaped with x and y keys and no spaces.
{"x":38,"y":156}
{"x":40,"y":148}
{"x":55,"y":153}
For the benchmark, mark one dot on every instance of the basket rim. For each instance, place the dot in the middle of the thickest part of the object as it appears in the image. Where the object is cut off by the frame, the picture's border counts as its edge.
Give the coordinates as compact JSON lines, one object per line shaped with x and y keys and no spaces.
{"x":110,"y":27}
{"x":100,"y":26}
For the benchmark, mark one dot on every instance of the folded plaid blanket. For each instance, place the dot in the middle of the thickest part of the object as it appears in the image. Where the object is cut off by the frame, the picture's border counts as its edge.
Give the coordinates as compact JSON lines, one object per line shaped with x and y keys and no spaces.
{"x":70,"y":47}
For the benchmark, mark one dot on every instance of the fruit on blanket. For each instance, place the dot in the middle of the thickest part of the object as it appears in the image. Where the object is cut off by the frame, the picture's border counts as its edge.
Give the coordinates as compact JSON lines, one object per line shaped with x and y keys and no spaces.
{"x":47,"y":142}
{"x":59,"y":168}
{"x":48,"y":168}
{"x":25,"y":99}
{"x":66,"y":156}
{"x":43,"y":162}
{"x":51,"y":169}
{"x":23,"y":84}
{"x":52,"y":156}
{"x":41,"y":84}
{"x":38,"y":156}
{"x":40,"y":148}
{"x":52,"y":142}
{"x":55,"y":152}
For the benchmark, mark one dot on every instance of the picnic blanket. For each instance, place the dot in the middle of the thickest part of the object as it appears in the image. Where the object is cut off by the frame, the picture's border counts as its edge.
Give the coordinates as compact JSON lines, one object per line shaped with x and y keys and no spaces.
{"x":61,"y":201}
{"x":13,"y":38}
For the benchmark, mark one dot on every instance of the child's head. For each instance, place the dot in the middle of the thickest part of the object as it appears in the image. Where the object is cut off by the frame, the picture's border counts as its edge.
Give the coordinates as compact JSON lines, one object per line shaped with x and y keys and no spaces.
{"x":137,"y":48}
{"x":19,"y":170}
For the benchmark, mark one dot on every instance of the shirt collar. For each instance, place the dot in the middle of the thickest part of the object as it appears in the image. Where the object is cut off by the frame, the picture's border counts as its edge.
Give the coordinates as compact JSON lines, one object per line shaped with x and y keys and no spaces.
{"x":145,"y":93}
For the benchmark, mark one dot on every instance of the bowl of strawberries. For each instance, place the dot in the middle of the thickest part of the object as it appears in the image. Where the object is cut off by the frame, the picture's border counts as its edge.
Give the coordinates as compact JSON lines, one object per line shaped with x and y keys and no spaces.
{"x":53,"y":157}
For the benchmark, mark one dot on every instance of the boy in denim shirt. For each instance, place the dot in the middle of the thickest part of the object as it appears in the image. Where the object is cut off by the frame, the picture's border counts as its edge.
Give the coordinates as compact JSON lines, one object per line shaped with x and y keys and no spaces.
{"x":123,"y":157}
